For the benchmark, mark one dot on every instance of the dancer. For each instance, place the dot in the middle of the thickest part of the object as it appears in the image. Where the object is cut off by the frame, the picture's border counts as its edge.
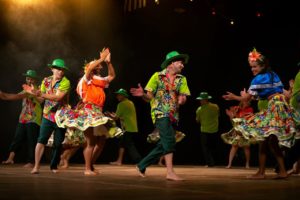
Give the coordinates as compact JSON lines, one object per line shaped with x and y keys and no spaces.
{"x":292,"y":157}
{"x":127,"y":115}
{"x":87,"y":119}
{"x":243,"y":110}
{"x":207,"y":115}
{"x":29,"y":120}
{"x":271,"y":127}
{"x":54,"y":90}
{"x":166,"y":91}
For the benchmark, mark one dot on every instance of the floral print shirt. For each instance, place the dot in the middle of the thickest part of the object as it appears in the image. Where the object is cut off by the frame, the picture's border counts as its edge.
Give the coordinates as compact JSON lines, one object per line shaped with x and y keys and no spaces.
{"x":165,"y":101}
{"x":31,"y":111}
{"x":50,"y":107}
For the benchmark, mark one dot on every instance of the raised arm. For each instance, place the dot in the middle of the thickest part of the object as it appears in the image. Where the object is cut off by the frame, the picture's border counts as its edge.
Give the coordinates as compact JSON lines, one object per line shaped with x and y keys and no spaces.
{"x":94,"y":64}
{"x":111,"y":71}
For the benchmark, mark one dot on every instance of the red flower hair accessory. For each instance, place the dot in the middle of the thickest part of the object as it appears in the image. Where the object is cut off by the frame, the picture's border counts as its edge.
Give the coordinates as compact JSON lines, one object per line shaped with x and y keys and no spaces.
{"x":254,"y":55}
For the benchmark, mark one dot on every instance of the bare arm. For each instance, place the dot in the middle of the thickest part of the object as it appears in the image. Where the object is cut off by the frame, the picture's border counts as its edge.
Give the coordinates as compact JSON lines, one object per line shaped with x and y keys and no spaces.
{"x":58,"y":96}
{"x":11,"y":96}
{"x":94,"y":64}
{"x":244,"y":96}
{"x":139,"y":92}
{"x":111,"y":70}
{"x":112,"y":115}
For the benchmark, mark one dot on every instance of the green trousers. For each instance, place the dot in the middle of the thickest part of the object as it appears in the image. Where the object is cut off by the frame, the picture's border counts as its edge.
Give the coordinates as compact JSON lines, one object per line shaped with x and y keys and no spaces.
{"x":165,"y":145}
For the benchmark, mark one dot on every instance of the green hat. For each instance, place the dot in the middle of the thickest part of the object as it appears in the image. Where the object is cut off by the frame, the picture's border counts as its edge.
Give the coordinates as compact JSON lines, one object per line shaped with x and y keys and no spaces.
{"x":203,"y":95}
{"x":122,"y":92}
{"x":58,"y":63}
{"x":31,"y":73}
{"x":172,"y":56}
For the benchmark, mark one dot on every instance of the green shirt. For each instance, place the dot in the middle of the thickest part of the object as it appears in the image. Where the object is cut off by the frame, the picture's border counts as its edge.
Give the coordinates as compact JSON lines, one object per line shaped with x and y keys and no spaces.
{"x":262,"y":104}
{"x":127,"y":114}
{"x":296,"y":92}
{"x":208,"y":116}
{"x":165,"y":101}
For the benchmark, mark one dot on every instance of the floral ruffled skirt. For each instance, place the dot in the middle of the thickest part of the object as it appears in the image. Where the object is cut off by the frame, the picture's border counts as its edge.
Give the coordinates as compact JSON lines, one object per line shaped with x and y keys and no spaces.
{"x":279,"y":119}
{"x":85,"y":115}
{"x":235,"y":138}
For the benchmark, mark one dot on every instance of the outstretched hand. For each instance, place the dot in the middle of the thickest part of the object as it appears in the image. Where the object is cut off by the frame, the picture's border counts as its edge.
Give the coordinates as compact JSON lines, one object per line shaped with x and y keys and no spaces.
{"x":229,"y":96}
{"x":138,"y":92}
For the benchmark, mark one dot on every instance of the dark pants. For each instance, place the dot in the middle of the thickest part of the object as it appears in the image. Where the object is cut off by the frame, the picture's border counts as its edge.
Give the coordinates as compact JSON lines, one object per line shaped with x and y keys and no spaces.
{"x":292,"y":155}
{"x":28,"y":132}
{"x":164,"y":146}
{"x":47,"y":127}
{"x":127,"y":142}
{"x":208,"y":145}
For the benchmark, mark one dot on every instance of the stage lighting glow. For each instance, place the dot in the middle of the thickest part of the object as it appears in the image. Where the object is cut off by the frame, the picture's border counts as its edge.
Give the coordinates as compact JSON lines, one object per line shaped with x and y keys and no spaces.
{"x":258,"y":14}
{"x":213,"y":11}
{"x":26,"y":2}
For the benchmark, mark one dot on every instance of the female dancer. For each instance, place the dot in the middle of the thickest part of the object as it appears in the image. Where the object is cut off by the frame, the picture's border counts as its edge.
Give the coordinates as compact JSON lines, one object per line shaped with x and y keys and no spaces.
{"x":243,"y":110}
{"x":272,"y":127}
{"x":88,"y":117}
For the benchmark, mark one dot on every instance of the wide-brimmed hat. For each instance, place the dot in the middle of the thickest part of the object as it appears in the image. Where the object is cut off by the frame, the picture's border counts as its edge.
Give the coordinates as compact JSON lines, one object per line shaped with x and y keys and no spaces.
{"x":203,"y":95}
{"x":58,"y":63}
{"x":122,"y":92}
{"x":31,"y":73}
{"x":173,"y":56}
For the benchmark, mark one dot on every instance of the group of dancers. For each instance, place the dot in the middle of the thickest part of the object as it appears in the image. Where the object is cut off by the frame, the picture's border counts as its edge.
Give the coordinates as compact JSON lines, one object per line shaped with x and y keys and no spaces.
{"x":273,"y":127}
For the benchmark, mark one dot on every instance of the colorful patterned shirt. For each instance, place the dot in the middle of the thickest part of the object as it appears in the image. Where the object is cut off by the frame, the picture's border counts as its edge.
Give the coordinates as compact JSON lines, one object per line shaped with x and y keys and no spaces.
{"x":31,"y":111}
{"x":50,"y":107}
{"x":165,"y":101}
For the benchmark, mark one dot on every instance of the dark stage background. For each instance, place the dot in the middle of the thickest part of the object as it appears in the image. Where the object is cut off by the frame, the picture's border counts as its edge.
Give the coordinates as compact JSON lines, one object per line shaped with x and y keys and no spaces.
{"x":33,"y":34}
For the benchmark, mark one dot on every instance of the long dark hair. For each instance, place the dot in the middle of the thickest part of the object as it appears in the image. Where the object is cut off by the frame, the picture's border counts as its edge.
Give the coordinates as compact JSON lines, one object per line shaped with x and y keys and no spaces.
{"x":264,"y":62}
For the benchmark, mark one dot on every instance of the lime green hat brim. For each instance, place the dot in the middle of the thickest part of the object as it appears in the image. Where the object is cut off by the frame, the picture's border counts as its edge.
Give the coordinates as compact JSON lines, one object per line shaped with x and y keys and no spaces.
{"x":183,"y":57}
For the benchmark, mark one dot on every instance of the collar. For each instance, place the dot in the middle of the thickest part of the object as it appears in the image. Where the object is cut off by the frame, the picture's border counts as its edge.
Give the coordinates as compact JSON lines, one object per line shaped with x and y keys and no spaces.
{"x":164,"y":73}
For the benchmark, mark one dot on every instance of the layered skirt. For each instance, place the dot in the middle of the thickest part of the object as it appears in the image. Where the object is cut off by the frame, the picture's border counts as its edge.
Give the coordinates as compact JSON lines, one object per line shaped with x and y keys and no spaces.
{"x":278,"y":119}
{"x":85,"y":115}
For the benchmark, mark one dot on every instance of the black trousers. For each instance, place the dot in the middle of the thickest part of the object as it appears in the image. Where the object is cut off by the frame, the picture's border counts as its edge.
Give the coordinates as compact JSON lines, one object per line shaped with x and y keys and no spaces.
{"x":208,"y":146}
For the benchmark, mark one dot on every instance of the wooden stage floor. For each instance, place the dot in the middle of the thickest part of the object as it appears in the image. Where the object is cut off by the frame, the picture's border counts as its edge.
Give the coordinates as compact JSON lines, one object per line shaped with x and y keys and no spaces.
{"x":122,"y":182}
